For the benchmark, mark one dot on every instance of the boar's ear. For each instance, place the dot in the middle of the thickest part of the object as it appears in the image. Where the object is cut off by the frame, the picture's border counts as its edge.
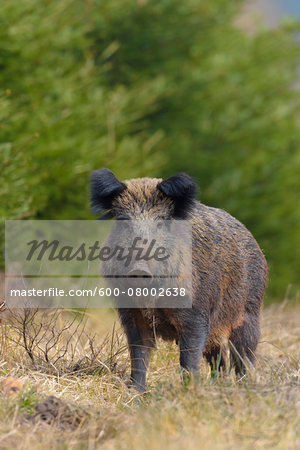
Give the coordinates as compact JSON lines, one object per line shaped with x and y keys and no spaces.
{"x":105,"y":187}
{"x":182,"y":189}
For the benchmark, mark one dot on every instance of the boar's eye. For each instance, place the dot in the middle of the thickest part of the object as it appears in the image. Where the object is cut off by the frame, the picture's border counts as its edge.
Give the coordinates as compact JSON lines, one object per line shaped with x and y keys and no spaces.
{"x":123,"y":222}
{"x":122,"y":217}
{"x":164,"y":225}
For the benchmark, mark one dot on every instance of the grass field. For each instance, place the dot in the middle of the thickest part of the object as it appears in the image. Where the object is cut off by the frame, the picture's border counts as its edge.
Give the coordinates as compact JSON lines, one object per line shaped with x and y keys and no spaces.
{"x":261,"y":411}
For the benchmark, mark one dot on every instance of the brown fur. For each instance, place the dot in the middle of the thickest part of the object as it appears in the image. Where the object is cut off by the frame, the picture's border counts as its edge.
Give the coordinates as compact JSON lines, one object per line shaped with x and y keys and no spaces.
{"x":141,"y":192}
{"x":229,"y":280}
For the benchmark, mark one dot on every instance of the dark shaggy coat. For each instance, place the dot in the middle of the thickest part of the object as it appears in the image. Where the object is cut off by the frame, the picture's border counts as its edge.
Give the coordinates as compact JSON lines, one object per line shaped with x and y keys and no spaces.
{"x":229,"y":276}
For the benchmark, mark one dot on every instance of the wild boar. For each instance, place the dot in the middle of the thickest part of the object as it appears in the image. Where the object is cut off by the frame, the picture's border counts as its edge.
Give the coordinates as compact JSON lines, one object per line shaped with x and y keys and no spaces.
{"x":229,"y":276}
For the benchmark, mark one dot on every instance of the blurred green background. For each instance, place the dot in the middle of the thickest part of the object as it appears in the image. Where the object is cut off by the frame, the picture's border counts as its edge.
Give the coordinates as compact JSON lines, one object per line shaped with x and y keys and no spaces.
{"x":150,"y":88}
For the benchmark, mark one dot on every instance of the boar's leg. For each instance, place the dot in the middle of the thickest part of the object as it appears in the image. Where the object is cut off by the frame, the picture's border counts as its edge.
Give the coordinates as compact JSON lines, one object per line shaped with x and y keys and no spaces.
{"x":140,"y":351}
{"x":141,"y":342}
{"x":192,"y":343}
{"x":243,"y":342}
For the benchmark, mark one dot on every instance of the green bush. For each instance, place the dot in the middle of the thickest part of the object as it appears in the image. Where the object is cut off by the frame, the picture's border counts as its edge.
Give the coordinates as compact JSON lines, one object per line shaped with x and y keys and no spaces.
{"x":151,"y":88}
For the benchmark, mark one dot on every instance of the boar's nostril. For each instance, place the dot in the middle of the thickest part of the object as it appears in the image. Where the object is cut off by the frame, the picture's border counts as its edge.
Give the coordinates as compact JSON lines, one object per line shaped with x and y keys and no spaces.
{"x":139,"y":274}
{"x":140,"y":277}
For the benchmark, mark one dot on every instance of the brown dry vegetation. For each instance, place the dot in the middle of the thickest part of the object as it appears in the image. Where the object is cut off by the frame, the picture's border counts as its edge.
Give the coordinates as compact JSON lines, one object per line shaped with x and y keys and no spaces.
{"x":260,"y":411}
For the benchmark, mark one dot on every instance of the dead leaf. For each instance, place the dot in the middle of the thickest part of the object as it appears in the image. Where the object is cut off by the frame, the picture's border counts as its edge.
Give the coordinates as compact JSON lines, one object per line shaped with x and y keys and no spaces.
{"x":11,"y":387}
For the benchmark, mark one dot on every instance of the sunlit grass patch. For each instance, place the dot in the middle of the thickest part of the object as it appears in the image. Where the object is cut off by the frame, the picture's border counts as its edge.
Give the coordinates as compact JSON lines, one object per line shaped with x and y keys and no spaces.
{"x":261,"y":410}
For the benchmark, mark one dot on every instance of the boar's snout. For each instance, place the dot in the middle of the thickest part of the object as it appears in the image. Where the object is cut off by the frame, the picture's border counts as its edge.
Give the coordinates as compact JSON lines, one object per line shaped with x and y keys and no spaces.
{"x":140,"y":275}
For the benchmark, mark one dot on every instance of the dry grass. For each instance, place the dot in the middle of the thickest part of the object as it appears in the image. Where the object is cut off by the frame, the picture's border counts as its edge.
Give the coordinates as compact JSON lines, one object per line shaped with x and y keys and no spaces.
{"x":260,"y":411}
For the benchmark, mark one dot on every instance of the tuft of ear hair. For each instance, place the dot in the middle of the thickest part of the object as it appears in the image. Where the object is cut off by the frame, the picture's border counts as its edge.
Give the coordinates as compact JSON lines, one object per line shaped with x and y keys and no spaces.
{"x":182,"y":189}
{"x":105,"y":187}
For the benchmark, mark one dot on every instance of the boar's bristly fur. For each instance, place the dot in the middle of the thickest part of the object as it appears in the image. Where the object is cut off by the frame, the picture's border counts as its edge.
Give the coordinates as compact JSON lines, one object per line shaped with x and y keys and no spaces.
{"x":229,"y":273}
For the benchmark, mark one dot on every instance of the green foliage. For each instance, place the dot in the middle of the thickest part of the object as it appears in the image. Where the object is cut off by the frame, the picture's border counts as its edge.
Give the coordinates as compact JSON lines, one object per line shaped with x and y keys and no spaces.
{"x":151,"y":88}
{"x":24,"y":403}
